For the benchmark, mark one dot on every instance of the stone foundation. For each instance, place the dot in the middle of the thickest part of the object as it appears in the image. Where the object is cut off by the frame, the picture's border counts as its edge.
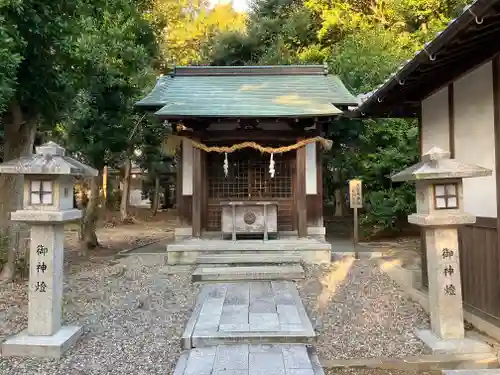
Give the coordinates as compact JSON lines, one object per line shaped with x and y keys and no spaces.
{"x":183,"y":233}
{"x":310,"y":250}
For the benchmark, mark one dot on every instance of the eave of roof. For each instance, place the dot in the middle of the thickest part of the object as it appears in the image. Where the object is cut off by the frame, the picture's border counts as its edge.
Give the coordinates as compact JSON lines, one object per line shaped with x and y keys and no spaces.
{"x":391,"y":99}
{"x":248,"y":91}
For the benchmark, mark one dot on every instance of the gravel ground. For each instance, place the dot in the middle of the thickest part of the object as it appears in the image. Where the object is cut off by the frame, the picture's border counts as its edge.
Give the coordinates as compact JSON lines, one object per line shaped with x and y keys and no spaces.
{"x":133,"y":316}
{"x":359,"y":312}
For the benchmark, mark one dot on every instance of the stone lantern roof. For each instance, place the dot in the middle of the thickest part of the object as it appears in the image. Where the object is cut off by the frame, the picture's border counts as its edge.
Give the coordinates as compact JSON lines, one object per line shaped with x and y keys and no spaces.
{"x":49,"y":159}
{"x":437,"y":165}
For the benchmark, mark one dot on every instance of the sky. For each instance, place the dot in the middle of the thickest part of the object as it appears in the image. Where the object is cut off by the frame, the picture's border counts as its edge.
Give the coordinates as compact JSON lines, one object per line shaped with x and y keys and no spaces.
{"x":238,"y":5}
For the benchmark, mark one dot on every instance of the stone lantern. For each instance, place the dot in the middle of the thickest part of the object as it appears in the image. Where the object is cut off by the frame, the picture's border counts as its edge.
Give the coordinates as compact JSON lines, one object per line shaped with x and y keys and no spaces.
{"x":48,"y":206}
{"x":439,"y":191}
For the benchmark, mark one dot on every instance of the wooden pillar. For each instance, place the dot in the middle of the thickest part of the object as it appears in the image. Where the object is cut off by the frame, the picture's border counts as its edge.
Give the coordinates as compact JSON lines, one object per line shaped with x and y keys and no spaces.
{"x":204,"y":201}
{"x":423,"y":248}
{"x":451,"y":119}
{"x":197,"y":192}
{"x":300,"y":194}
{"x":319,"y":198}
{"x":496,"y":123}
{"x":179,"y":201}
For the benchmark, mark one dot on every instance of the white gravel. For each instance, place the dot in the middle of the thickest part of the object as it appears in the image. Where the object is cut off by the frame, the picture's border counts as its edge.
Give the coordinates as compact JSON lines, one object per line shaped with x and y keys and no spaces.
{"x":133,"y":318}
{"x":359,"y":312}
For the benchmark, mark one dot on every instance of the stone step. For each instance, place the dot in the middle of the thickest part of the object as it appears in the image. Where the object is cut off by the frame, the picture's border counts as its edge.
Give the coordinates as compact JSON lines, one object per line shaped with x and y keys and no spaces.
{"x":254,"y":312}
{"x":246,"y":258}
{"x":188,"y":251}
{"x":243,"y":359}
{"x":248,"y":273}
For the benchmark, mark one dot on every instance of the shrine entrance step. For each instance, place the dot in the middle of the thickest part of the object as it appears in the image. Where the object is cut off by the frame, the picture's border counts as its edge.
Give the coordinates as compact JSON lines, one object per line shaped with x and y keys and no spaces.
{"x":188,"y":251}
{"x":248,"y":258}
{"x":243,"y":359}
{"x":248,"y":273}
{"x":248,"y":313}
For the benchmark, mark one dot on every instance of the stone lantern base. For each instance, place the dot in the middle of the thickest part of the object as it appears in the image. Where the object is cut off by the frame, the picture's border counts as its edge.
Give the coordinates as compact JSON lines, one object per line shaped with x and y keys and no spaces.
{"x":451,"y":346}
{"x":25,"y":345}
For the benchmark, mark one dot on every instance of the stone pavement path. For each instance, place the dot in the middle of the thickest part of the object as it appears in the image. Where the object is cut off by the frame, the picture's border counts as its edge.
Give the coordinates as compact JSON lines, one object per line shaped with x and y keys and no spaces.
{"x":244,"y":359}
{"x":248,"y":328}
{"x":248,"y":312}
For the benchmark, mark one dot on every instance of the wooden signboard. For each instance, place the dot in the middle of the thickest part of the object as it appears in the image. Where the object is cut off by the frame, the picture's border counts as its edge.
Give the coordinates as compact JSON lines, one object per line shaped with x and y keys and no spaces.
{"x":355,"y":194}
{"x":355,"y":201}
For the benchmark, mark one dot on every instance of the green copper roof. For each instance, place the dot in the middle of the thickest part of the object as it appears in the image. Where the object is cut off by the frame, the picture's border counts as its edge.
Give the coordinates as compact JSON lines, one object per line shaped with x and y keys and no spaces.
{"x":263,"y":91}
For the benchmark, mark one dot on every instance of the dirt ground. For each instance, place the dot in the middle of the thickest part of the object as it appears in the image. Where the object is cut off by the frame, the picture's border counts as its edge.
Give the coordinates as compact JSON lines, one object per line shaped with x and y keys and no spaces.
{"x":115,"y":237}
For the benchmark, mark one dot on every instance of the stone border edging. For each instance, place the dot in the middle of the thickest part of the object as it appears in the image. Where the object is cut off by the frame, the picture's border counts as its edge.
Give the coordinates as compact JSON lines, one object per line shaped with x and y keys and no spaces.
{"x":128,"y":250}
{"x":186,"y":339}
{"x":426,"y":362}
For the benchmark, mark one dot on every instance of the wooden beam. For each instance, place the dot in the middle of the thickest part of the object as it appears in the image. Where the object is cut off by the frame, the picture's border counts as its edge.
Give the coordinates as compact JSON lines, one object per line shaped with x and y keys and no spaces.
{"x":454,"y":53}
{"x":447,"y":73}
{"x":241,"y":135}
{"x":420,"y":138}
{"x":319,"y":184}
{"x":451,"y":119}
{"x":178,"y":189}
{"x":197,"y":192}
{"x":496,"y":129}
{"x":300,"y":195}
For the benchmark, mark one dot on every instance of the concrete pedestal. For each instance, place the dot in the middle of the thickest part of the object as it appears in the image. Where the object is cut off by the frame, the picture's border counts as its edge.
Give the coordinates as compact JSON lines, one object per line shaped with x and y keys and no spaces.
{"x":53,"y":346}
{"x":445,"y":296}
{"x":451,"y":346}
{"x":44,"y":337}
{"x":445,"y":291}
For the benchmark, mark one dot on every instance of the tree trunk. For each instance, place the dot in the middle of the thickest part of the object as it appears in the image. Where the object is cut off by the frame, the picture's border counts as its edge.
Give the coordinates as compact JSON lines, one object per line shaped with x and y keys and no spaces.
{"x":82,"y":202}
{"x":105,"y":187}
{"x":19,"y":137}
{"x":156,"y":197}
{"x":90,"y":217}
{"x":126,"y":191}
{"x":339,"y":202}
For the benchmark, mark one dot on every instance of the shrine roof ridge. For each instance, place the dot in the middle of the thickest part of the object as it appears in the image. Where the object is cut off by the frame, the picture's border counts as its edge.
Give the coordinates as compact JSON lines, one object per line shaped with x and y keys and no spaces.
{"x":250,"y":70}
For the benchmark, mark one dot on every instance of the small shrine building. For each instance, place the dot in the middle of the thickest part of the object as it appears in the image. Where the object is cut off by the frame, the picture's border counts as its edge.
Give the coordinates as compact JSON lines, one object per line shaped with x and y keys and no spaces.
{"x":250,"y":147}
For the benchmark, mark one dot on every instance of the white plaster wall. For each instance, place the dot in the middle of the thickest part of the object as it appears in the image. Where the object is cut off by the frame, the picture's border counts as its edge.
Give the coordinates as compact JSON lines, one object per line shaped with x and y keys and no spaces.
{"x":311,"y":169}
{"x":435,"y":121}
{"x":474,"y":138}
{"x":187,"y":167}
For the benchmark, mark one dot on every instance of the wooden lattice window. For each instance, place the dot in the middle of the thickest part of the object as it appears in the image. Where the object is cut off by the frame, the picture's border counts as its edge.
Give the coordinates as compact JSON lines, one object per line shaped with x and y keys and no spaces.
{"x":249,"y":177}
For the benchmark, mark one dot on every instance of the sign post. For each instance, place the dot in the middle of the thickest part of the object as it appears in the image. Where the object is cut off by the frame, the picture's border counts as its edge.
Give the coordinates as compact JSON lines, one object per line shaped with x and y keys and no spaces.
{"x":355,"y":201}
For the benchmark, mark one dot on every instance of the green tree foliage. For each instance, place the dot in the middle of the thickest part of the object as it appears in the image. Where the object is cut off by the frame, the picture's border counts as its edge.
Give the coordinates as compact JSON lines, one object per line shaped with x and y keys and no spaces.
{"x":115,"y":54}
{"x":187,"y":25}
{"x":277,"y":32}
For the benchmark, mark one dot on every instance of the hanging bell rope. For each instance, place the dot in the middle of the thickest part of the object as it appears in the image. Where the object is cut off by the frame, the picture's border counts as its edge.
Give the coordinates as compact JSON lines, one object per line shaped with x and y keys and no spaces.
{"x":325,"y":143}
